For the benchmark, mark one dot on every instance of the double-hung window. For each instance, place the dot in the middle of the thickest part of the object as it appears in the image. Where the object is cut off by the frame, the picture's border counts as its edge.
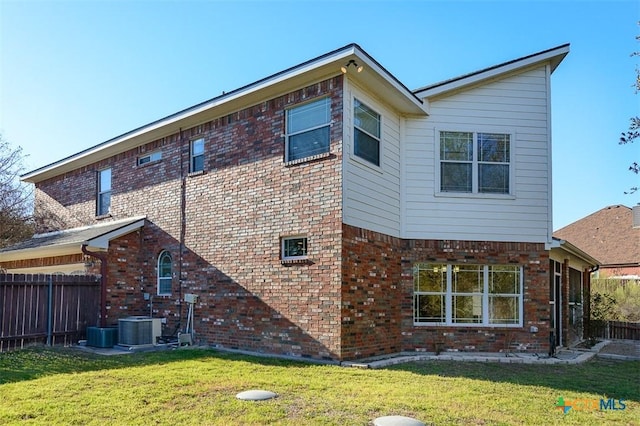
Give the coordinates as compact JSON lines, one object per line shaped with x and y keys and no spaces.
{"x":475,"y":162}
{"x":165,"y":273}
{"x":196,"y":155}
{"x":103,"y":199}
{"x":366,"y":133}
{"x":489,"y":295}
{"x":308,"y":128}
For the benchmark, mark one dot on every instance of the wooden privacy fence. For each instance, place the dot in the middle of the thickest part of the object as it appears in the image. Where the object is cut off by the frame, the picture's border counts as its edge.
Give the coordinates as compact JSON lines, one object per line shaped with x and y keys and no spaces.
{"x":51,"y":309}
{"x":615,"y":330}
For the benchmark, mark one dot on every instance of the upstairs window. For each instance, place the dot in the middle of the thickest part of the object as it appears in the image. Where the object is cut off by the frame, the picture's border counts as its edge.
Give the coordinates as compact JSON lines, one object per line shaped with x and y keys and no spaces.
{"x":149,"y":158}
{"x":308,"y":128}
{"x":475,"y":162}
{"x":196,"y":156}
{"x":103,"y":197}
{"x":366,"y":133}
{"x":165,"y":273}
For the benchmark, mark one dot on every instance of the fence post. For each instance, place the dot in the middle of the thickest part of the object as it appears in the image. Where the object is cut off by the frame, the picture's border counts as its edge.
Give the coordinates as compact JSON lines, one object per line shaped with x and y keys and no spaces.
{"x":50,"y":311}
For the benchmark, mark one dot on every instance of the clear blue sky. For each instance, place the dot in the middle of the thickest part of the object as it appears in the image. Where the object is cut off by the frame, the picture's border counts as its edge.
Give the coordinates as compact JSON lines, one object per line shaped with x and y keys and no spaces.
{"x":76,"y":73}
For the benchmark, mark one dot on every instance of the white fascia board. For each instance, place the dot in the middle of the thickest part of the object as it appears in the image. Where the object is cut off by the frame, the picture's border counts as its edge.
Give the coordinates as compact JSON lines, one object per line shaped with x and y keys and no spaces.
{"x":41,"y":252}
{"x":318,"y":68}
{"x":569,"y":248}
{"x":102,"y":241}
{"x":555,"y":56}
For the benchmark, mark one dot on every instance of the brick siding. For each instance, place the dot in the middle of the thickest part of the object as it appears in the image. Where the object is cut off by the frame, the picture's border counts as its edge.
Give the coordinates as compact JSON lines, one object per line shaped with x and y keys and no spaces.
{"x":223,"y":228}
{"x":378,"y":295}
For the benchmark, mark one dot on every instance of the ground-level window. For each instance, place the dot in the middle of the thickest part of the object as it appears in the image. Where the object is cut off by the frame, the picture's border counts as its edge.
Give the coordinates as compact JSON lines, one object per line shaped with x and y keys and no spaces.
{"x":489,"y":295}
{"x":165,"y":273}
{"x":308,"y":128}
{"x":294,"y":248}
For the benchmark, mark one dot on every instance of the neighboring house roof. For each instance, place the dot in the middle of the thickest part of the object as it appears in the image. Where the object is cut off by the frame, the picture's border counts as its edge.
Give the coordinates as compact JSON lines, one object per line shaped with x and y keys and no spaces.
{"x":607,"y":235}
{"x":70,"y":241}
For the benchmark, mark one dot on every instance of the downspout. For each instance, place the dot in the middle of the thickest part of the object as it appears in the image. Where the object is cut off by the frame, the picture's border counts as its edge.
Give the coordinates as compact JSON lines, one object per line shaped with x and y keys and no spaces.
{"x":183,"y":219}
{"x":103,"y":282}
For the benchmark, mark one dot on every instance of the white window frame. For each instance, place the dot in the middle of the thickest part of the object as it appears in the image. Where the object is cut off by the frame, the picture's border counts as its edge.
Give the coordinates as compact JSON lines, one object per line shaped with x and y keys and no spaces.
{"x":164,"y":279}
{"x":283,"y":248}
{"x":289,"y":113}
{"x":150,"y":158}
{"x":193,"y":156}
{"x":475,"y":163}
{"x":486,"y":296}
{"x":103,"y":193}
{"x":377,"y":138}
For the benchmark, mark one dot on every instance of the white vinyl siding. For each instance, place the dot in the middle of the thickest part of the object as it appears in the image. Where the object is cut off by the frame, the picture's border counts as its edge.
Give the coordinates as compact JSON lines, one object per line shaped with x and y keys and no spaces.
{"x":515,"y":105}
{"x":372,"y":193}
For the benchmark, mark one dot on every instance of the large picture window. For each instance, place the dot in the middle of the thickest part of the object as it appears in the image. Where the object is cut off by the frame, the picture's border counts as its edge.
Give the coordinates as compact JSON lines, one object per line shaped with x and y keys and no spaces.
{"x":308,"y":128}
{"x":103,"y":199}
{"x":489,"y":295}
{"x":165,"y":273}
{"x":366,"y":133}
{"x":475,"y":162}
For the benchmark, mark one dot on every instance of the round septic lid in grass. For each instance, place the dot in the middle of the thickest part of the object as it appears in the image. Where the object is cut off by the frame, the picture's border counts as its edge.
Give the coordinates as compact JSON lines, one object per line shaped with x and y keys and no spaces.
{"x":397,"y":421}
{"x":256,"y":395}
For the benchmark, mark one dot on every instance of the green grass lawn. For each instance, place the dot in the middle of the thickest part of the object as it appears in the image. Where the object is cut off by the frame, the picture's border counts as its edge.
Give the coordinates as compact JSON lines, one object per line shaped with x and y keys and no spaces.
{"x":197,"y":386}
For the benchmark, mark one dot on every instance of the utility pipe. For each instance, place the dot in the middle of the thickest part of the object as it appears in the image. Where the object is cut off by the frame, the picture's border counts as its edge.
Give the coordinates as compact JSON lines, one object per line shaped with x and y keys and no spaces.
{"x":103,"y":282}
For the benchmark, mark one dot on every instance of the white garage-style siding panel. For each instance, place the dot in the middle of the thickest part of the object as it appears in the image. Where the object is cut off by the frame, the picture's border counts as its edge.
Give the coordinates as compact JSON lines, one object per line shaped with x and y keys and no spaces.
{"x":516,"y":104}
{"x":372,"y":194}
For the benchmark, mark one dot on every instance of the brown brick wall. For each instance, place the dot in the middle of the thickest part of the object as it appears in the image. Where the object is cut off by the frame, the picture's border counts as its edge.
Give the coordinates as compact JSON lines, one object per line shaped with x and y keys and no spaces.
{"x":378,"y":290}
{"x":223,"y":228}
{"x":372,"y":293}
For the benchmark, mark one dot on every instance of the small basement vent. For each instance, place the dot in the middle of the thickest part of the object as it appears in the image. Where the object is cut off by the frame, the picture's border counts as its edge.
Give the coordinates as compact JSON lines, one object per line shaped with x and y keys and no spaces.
{"x":139,"y":330}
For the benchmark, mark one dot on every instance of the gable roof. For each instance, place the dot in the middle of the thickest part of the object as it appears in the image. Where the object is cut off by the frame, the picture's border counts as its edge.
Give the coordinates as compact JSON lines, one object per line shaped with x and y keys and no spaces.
{"x":70,"y":241}
{"x":553,"y":56}
{"x":608,"y":235}
{"x":373,"y":77}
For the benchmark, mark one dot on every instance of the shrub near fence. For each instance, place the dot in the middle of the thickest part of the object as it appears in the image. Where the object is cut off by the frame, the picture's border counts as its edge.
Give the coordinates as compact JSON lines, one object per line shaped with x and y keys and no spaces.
{"x":52,"y":309}
{"x":615,"y":329}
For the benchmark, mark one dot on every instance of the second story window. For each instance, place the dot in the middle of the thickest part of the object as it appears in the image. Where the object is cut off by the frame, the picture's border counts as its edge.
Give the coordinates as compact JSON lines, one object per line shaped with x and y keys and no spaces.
{"x":196,"y":155}
{"x":150,"y":158}
{"x":308,"y":128}
{"x":366,"y":133}
{"x":475,"y":162}
{"x":103,"y":198}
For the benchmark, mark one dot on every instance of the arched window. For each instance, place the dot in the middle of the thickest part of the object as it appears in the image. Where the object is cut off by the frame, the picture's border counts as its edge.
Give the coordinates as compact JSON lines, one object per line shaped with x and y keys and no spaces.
{"x":165,"y":273}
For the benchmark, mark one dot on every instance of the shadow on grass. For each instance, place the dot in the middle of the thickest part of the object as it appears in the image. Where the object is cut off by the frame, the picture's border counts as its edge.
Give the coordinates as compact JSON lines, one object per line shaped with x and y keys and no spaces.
{"x":613,"y":379}
{"x":36,"y":362}
{"x":609,"y":378}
